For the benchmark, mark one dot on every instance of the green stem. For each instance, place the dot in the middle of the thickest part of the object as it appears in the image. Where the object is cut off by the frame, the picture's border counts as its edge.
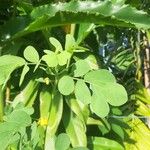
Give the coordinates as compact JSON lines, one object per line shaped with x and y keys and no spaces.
{"x":1,"y":104}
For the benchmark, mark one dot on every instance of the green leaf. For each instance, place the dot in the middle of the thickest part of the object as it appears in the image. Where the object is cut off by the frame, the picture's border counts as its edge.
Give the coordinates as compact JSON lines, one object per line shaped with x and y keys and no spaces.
{"x":16,"y":121}
{"x":99,"y":105}
{"x":55,"y":115}
{"x":8,"y":64}
{"x":115,"y":94}
{"x":92,"y":61}
{"x":70,"y":44}
{"x":27,"y":94}
{"x":20,"y":117}
{"x":24,"y":72}
{"x":63,"y":58}
{"x":84,"y":30}
{"x":34,"y":134}
{"x":104,"y":81}
{"x":99,"y":12}
{"x":66,"y":85}
{"x":31,"y":54}
{"x":79,"y":148}
{"x":62,"y":142}
{"x":100,"y":76}
{"x":81,"y":68}
{"x":118,"y":130}
{"x":101,"y":143}
{"x":6,"y":134}
{"x":75,"y":129}
{"x":50,"y":143}
{"x":50,"y":59}
{"x":82,"y":92}
{"x":45,"y":102}
{"x":74,"y":105}
{"x":56,"y":44}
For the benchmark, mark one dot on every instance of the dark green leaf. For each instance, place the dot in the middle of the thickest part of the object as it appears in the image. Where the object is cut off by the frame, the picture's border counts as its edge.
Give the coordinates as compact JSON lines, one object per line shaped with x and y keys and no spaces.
{"x":118,"y":130}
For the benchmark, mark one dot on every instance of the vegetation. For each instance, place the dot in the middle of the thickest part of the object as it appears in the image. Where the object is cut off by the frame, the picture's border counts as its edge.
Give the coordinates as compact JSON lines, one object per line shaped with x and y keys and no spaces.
{"x":74,"y":75}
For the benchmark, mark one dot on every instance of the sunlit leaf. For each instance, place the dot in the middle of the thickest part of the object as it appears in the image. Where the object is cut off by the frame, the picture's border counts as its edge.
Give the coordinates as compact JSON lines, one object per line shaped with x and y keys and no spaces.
{"x":51,"y":59}
{"x":8,"y":64}
{"x":31,"y":54}
{"x":24,"y":72}
{"x":75,"y":129}
{"x":82,"y":92}
{"x":17,"y":120}
{"x":101,"y":143}
{"x":28,"y":94}
{"x":99,"y":105}
{"x":70,"y":44}
{"x":63,"y":58}
{"x":56,"y":44}
{"x":81,"y":68}
{"x":55,"y":115}
{"x":62,"y":142}
{"x":66,"y":85}
{"x":100,"y":76}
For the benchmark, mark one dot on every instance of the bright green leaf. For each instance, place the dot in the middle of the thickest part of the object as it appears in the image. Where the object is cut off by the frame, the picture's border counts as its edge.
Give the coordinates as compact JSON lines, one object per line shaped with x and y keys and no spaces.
{"x":62,"y":142}
{"x":31,"y":54}
{"x":28,"y":94}
{"x":81,"y":68}
{"x":16,"y":121}
{"x":75,"y":129}
{"x":19,"y":117}
{"x":8,"y":64}
{"x":66,"y":85}
{"x":104,"y":82}
{"x":55,"y":116}
{"x":101,"y":143}
{"x":24,"y":72}
{"x":82,"y":92}
{"x":70,"y":44}
{"x":100,"y":77}
{"x":81,"y":111}
{"x":50,"y":59}
{"x":56,"y":44}
{"x":45,"y":102}
{"x":115,"y":94}
{"x":34,"y":134}
{"x":79,"y":148}
{"x":99,"y":105}
{"x":63,"y":58}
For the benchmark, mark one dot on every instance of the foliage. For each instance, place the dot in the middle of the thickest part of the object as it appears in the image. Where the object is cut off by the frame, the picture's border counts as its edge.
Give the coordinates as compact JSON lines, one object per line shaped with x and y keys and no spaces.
{"x":66,"y":86}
